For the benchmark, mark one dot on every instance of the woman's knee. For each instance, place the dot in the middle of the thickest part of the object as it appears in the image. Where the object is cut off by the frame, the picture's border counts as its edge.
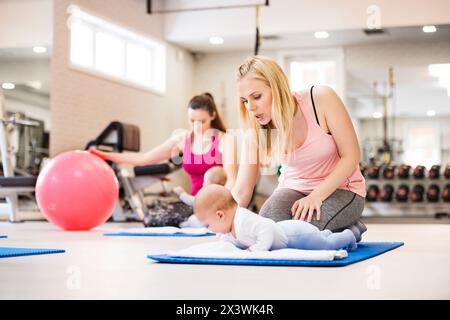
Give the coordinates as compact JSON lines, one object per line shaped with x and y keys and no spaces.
{"x":341,"y":210}
{"x":278,"y":206}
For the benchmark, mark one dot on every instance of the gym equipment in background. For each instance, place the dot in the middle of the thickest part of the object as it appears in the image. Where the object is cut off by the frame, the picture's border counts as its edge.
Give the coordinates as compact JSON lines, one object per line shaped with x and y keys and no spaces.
{"x":363,"y":168}
{"x":433,"y":193}
{"x":387,"y":193}
{"x":77,"y":191}
{"x":417,"y":193}
{"x":389,"y":172}
{"x":372,"y":193}
{"x":447,"y":172}
{"x":119,"y":137}
{"x":29,"y":144}
{"x":434,"y":172}
{"x":419,"y":172}
{"x":402,"y":193}
{"x":10,"y":185}
{"x":373,"y":172}
{"x":403,"y":171}
{"x":446,"y":193}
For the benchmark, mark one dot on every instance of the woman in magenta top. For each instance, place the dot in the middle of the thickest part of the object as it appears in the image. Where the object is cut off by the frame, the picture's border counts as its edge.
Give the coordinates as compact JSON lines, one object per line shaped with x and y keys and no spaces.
{"x":316,"y":145}
{"x":205,"y":146}
{"x":196,"y":165}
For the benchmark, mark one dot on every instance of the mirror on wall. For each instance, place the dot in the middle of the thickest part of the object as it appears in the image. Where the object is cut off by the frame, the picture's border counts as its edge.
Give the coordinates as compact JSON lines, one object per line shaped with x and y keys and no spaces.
{"x":25,"y":84}
{"x":395,"y":84}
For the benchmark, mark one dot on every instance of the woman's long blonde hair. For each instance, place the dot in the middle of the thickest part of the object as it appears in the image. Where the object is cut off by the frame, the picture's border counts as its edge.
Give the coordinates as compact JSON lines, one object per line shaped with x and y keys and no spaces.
{"x":284,"y":108}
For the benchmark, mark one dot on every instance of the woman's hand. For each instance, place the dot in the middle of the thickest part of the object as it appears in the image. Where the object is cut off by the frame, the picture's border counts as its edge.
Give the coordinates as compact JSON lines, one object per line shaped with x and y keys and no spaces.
{"x":98,"y":153}
{"x":304,"y":208}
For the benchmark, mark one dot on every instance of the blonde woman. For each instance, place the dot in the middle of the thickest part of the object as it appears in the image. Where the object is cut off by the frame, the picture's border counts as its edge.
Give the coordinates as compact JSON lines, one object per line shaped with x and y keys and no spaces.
{"x":316,"y":145}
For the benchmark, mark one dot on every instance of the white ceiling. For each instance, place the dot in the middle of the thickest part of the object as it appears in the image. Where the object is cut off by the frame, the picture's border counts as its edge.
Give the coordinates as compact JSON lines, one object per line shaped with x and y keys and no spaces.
{"x":30,"y":72}
{"x":292,"y":23}
{"x":13,"y":54}
{"x":295,"y":21}
{"x":336,"y":38}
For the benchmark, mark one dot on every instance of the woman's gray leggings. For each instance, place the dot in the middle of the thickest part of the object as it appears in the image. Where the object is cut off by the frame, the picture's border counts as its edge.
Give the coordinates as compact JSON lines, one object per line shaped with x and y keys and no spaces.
{"x":340,"y":210}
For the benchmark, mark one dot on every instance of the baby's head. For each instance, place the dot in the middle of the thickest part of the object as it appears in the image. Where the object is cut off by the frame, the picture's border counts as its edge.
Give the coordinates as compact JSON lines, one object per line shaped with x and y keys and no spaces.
{"x":215,"y":175}
{"x":214,"y":206}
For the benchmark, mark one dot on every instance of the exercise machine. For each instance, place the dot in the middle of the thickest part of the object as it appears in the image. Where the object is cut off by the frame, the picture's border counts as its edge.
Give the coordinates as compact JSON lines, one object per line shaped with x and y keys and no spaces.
{"x":10,"y":184}
{"x":120,"y":137}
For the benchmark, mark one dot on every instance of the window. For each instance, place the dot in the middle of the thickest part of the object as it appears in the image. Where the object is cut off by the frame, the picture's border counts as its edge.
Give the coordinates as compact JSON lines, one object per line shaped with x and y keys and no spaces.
{"x":306,"y":74}
{"x":309,"y":67}
{"x":139,"y":67}
{"x":105,"y":49}
{"x":82,"y":45}
{"x":423,"y":146}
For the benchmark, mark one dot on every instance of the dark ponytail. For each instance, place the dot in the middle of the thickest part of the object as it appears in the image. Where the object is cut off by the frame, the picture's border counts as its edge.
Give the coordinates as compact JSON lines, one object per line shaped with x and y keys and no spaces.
{"x":205,"y":101}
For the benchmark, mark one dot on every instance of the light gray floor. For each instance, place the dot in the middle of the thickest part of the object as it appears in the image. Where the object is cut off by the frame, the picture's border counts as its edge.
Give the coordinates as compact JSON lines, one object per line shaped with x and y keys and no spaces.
{"x":98,"y":267}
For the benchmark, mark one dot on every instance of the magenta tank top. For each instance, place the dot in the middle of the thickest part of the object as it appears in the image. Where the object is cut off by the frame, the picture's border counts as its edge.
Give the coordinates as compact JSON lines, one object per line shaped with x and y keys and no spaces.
{"x":196,"y":165}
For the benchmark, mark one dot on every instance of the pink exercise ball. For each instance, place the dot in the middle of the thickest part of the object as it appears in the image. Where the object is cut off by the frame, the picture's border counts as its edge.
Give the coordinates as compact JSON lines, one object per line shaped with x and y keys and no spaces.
{"x":77,"y":190}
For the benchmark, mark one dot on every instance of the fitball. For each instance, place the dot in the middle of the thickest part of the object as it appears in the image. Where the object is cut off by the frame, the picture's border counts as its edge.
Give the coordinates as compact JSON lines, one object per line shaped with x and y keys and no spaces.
{"x":77,"y":190}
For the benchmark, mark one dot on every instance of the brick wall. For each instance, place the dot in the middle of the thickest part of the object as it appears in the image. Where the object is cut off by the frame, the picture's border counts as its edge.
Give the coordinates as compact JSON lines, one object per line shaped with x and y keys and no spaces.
{"x":82,"y":104}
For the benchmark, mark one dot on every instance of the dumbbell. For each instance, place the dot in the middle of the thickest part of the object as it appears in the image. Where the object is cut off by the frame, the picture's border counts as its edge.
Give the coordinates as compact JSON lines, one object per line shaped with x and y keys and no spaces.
{"x":447,"y":172}
{"x":389,"y":172}
{"x":419,"y":172}
{"x":446,"y":193}
{"x":363,"y":169}
{"x":433,"y":193}
{"x":373,"y":172}
{"x":386,"y":193}
{"x":401,"y":195}
{"x":417,"y":193}
{"x":372,"y":193}
{"x":434,"y":172}
{"x":403,"y":171}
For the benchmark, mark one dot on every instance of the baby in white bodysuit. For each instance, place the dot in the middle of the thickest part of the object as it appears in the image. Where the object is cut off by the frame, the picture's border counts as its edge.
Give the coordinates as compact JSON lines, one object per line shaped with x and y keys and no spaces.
{"x":215,"y":207}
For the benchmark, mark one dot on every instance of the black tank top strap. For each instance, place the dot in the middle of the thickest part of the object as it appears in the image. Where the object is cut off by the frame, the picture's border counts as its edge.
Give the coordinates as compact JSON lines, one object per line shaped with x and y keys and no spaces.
{"x":314,"y":108}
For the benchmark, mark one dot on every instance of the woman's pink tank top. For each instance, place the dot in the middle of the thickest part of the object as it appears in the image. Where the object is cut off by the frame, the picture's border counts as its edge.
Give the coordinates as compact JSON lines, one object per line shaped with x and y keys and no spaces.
{"x":308,"y":166}
{"x":196,"y":165}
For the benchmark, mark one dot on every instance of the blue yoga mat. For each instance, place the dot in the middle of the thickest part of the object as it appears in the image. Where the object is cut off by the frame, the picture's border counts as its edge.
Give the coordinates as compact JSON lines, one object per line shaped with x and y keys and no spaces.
{"x":3,"y":236}
{"x":366,"y":250}
{"x":19,"y":252}
{"x":127,"y":234}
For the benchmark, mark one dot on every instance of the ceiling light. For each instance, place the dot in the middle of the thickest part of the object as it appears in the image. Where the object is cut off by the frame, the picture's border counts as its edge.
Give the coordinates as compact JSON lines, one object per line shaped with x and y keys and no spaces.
{"x":8,"y":86}
{"x":216,"y":40}
{"x":39,"y":49}
{"x":429,"y":29}
{"x":377,"y":115}
{"x":321,"y":34}
{"x":431,"y":113}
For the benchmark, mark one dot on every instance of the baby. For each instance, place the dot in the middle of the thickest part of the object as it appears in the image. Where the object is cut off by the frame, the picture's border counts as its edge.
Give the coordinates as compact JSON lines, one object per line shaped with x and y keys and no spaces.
{"x":214,"y":175}
{"x":215,"y":207}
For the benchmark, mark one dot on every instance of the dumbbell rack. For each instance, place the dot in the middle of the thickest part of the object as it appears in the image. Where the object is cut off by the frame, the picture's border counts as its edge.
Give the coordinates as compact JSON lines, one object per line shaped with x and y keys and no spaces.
{"x":394,"y":208}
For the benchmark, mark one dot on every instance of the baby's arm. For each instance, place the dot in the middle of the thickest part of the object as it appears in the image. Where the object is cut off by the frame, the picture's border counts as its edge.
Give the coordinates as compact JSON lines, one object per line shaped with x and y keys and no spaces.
{"x":228,"y":238}
{"x":187,"y":198}
{"x":264,"y":232}
{"x":184,"y":196}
